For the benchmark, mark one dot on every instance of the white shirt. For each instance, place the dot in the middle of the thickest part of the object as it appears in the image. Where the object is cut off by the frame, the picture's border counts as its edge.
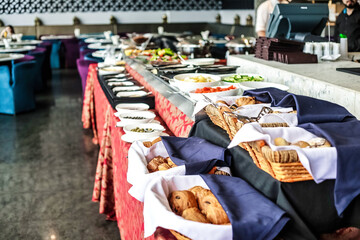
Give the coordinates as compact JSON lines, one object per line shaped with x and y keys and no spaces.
{"x":263,"y":15}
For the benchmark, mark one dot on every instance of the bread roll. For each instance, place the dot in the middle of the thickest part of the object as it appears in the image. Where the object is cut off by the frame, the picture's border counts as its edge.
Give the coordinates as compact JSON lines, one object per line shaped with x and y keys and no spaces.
{"x":221,"y":102}
{"x":171,"y":163}
{"x":319,"y":142}
{"x":245,"y":101}
{"x":220,"y":172}
{"x":302,"y":144}
{"x":163,"y":167}
{"x":194,"y":214}
{"x":208,"y":200}
{"x":199,"y":192}
{"x":154,"y":163}
{"x":281,"y":142}
{"x":216,"y":215}
{"x":181,"y":200}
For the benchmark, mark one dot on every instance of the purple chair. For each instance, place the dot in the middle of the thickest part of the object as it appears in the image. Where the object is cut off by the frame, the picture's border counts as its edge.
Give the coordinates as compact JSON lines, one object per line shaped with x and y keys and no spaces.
{"x":71,"y":51}
{"x":26,"y":58}
{"x":83,"y":68}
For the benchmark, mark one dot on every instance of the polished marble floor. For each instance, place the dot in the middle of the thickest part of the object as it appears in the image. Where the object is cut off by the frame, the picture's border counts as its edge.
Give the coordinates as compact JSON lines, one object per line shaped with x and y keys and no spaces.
{"x":47,"y":169}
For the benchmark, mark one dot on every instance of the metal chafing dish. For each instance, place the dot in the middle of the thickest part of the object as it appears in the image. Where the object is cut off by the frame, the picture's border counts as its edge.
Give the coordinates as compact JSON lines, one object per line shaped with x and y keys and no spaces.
{"x":244,"y":45}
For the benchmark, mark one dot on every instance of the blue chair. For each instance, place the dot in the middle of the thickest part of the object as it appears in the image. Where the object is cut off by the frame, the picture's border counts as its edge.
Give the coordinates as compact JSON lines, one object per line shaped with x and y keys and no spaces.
{"x":28,"y":37}
{"x":55,"y":53}
{"x":90,"y":57}
{"x":39,"y":54}
{"x":17,"y":95}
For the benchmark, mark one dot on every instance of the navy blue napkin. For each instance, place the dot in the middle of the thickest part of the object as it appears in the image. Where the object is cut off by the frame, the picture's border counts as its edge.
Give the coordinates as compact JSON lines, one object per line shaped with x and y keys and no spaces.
{"x":333,"y":122}
{"x":308,"y":109}
{"x":251,"y":214}
{"x":345,"y":136}
{"x":197,"y":154}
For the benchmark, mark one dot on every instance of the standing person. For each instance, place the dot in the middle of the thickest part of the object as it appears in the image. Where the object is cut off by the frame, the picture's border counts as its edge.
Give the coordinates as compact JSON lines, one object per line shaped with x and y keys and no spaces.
{"x":263,"y":15}
{"x":348,"y":23}
{"x":7,"y":32}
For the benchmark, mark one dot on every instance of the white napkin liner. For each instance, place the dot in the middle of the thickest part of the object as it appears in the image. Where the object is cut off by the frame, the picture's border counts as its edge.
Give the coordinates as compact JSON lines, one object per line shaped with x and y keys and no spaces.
{"x":138,"y":174}
{"x":320,"y":162}
{"x":253,"y":110}
{"x":157,"y":211}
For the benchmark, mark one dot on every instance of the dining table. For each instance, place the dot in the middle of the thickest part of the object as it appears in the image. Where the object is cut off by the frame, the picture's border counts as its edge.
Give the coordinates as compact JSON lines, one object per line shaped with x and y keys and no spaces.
{"x":16,"y":49}
{"x":23,"y":43}
{"x":5,"y":57}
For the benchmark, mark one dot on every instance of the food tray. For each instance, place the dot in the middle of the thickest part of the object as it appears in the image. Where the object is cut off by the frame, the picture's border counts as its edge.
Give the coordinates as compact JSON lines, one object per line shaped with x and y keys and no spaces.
{"x":114,"y":100}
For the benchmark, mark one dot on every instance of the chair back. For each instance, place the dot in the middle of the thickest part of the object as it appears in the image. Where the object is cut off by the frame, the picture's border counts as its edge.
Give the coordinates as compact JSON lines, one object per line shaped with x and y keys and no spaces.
{"x":89,"y":57}
{"x":83,"y":68}
{"x":6,"y":95}
{"x":71,"y":50}
{"x":47,"y":74}
{"x":26,"y":58}
{"x":39,"y":58}
{"x":85,"y":51}
{"x":55,"y":53}
{"x":28,"y":37}
{"x":23,"y":74}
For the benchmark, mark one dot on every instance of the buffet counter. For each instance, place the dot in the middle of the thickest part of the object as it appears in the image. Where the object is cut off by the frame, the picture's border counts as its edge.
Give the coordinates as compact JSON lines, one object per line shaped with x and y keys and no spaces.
{"x":310,"y":205}
{"x":111,"y":187}
{"x":319,"y":80}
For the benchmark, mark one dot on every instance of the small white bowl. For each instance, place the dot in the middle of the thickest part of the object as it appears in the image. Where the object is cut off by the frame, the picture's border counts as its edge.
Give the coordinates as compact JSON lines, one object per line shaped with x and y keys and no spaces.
{"x":111,"y":70}
{"x":156,"y":127}
{"x":230,"y":75}
{"x":132,"y":94}
{"x":199,"y":96}
{"x":132,"y":107}
{"x":199,"y":61}
{"x":189,"y":86}
{"x":146,"y":116}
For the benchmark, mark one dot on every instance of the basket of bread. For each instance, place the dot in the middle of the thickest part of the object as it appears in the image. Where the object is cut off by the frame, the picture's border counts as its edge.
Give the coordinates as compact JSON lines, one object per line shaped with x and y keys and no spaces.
{"x":185,"y":206}
{"x":287,"y":154}
{"x":148,"y":160}
{"x":230,"y":117}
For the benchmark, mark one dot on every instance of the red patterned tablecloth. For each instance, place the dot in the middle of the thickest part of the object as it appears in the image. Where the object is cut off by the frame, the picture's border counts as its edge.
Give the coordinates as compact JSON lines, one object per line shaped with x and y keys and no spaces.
{"x":111,"y":186}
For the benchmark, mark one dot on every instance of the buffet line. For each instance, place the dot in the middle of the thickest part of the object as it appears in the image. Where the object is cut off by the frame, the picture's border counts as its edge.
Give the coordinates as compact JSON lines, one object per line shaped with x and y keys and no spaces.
{"x":165,"y":169}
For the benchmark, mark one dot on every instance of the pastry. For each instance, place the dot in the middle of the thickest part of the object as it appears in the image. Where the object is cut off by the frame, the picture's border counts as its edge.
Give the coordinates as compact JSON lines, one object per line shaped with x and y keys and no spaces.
{"x":181,"y":200}
{"x":301,"y":144}
{"x":216,"y":215}
{"x":245,"y":101}
{"x":220,"y":172}
{"x":221,"y":102}
{"x":154,"y":163}
{"x":213,"y":210}
{"x":208,"y":200}
{"x":319,"y":142}
{"x":199,"y":192}
{"x":281,"y":142}
{"x":194,"y":214}
{"x":163,"y":166}
{"x":171,"y":163}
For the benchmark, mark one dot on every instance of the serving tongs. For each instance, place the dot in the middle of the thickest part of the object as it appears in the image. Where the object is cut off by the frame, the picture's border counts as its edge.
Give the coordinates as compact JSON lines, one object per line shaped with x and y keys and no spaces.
{"x":246,"y":119}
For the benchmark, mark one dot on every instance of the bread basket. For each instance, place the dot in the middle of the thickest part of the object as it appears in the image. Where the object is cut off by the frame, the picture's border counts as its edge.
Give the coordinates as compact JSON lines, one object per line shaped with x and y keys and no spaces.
{"x":230,"y":123}
{"x":283,"y":165}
